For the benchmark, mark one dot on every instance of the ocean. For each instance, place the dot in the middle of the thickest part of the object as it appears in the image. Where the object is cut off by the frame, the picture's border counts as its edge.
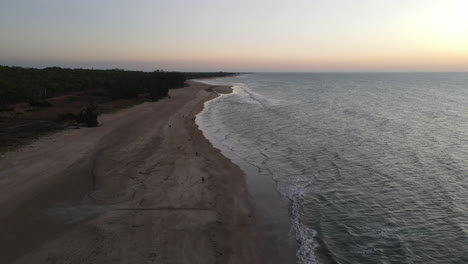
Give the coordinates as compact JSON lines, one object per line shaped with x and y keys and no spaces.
{"x":375,"y":165}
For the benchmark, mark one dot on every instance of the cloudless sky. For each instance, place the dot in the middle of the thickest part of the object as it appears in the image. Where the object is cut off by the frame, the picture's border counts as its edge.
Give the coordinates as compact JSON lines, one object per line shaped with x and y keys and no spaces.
{"x":240,"y":35}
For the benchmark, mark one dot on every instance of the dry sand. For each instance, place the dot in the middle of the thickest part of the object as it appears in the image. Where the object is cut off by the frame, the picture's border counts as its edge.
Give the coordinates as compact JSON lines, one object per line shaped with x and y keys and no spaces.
{"x":144,"y":187}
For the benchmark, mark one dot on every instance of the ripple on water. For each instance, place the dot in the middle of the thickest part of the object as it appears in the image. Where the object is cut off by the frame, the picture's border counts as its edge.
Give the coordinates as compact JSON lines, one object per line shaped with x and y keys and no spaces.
{"x":375,"y":164}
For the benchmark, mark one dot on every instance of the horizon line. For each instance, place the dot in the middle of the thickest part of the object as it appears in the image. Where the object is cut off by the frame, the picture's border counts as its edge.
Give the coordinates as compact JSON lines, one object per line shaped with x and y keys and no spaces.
{"x":227,"y":71}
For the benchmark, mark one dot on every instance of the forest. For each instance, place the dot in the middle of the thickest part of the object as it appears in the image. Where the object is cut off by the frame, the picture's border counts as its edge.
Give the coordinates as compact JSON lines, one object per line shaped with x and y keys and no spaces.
{"x":34,"y":85}
{"x":34,"y":102}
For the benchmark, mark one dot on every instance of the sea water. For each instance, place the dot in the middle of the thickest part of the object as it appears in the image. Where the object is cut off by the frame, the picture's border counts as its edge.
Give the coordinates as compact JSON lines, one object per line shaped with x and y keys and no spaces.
{"x":375,"y":165}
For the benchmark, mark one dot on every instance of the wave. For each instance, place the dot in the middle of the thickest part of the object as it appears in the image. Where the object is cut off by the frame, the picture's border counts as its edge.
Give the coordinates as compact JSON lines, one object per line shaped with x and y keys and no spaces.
{"x":295,"y":187}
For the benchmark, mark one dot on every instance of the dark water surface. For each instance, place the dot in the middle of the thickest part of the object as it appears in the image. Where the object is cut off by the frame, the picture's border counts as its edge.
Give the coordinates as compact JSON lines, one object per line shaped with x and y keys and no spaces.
{"x":376,"y":165}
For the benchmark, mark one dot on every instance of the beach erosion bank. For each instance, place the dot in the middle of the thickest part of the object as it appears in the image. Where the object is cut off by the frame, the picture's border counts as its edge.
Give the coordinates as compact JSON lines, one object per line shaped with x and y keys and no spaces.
{"x":144,"y":187}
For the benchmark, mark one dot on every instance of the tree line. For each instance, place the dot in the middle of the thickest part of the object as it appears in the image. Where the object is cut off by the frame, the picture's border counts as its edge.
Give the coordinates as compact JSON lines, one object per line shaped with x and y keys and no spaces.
{"x":19,"y":84}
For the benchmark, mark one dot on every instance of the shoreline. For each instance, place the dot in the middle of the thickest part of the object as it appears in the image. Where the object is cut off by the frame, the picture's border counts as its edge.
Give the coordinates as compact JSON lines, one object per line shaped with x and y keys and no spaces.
{"x":145,"y":187}
{"x":272,"y":214}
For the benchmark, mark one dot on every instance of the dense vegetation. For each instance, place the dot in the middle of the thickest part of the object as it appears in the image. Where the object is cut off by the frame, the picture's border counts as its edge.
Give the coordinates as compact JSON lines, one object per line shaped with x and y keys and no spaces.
{"x":199,"y":75}
{"x":34,"y":102}
{"x":34,"y":85}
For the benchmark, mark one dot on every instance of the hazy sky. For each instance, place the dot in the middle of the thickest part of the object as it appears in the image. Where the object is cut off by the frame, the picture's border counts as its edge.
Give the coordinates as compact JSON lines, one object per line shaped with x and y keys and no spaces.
{"x":237,"y":35}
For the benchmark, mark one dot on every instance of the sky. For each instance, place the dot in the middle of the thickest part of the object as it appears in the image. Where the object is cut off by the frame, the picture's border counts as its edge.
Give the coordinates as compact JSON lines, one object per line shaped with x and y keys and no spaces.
{"x":240,"y":35}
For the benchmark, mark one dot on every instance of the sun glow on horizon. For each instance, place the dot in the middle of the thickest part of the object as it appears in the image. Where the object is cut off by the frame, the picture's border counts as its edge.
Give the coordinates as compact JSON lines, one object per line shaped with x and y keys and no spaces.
{"x":443,"y":27}
{"x":359,"y":35}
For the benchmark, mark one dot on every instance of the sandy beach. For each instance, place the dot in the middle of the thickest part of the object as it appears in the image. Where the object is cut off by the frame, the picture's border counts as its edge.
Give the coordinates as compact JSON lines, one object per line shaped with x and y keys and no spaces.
{"x":144,"y":187}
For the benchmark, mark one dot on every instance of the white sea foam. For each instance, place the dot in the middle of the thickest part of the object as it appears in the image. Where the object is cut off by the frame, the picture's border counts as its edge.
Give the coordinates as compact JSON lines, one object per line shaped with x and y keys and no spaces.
{"x":294,"y":191}
{"x":376,"y":161}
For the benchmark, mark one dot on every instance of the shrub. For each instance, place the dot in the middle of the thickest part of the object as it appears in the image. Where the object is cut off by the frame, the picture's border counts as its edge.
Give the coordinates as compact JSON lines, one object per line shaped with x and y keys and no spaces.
{"x":88,"y":116}
{"x":6,"y":108}
{"x":43,"y":103}
{"x":66,"y":117}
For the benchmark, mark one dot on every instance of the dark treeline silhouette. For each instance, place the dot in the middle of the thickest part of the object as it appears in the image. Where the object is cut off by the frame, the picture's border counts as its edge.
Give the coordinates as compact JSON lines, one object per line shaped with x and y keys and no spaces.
{"x":200,"y":75}
{"x":34,"y":102}
{"x":31,"y":85}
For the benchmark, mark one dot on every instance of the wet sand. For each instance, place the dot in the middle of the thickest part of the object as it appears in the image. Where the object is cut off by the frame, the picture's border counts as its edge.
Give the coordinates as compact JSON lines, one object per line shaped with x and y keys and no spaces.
{"x":144,"y":187}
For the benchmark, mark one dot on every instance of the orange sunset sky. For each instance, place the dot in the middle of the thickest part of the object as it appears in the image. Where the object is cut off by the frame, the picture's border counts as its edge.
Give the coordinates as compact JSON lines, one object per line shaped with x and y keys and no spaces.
{"x":332,"y":35}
